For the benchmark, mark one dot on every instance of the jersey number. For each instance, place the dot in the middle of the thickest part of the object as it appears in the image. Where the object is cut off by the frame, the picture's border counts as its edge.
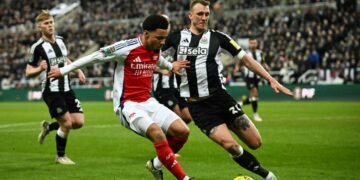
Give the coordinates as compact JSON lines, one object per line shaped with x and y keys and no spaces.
{"x":235,"y":109}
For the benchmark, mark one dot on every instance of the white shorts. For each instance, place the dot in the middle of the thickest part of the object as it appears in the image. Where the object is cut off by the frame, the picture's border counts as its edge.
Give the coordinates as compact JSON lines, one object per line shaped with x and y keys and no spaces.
{"x":139,"y":116}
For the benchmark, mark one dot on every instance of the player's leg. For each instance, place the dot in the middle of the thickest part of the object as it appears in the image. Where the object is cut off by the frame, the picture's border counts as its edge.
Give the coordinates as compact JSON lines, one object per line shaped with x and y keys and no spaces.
{"x":184,"y":109}
{"x":254,"y":97}
{"x":75,"y":109}
{"x":137,"y":116}
{"x":222,"y":136}
{"x":46,"y":128}
{"x":65,"y":122}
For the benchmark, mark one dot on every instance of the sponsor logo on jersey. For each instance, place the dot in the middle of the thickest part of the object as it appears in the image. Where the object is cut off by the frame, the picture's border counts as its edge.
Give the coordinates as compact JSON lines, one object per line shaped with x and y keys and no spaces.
{"x":57,"y":60}
{"x":192,"y":51}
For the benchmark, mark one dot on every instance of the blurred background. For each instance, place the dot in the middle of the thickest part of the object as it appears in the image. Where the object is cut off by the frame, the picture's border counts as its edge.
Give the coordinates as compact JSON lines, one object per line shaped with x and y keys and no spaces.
{"x":306,"y":43}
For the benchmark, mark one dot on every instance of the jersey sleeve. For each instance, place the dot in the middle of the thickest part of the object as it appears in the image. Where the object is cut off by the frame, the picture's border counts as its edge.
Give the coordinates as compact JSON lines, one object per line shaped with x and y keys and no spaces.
{"x":34,"y":56}
{"x":168,"y":50}
{"x":228,"y":44}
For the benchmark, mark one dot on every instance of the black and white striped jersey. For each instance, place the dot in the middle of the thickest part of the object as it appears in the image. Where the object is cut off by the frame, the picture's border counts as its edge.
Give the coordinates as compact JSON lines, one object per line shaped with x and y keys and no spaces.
{"x":203,"y":51}
{"x":258,"y":56}
{"x":55,"y":55}
{"x":161,"y":81}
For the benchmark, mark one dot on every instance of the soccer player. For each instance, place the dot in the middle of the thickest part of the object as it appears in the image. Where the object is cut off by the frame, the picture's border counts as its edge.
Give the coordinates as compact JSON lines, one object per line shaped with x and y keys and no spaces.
{"x":137,"y":110}
{"x":252,"y":80}
{"x":47,"y":53}
{"x":213,"y":110}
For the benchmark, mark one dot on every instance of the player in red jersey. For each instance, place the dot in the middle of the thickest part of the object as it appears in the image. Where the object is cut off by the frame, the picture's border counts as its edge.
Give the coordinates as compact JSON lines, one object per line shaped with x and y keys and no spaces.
{"x":137,"y":110}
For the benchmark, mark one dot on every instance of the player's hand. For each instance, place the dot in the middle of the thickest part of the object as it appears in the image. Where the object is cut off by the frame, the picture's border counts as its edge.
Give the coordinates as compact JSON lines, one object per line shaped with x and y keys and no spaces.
{"x":165,"y":72}
{"x":179,"y":64}
{"x":81,"y":76}
{"x":280,"y":88}
{"x":54,"y":73}
{"x":43,"y":65}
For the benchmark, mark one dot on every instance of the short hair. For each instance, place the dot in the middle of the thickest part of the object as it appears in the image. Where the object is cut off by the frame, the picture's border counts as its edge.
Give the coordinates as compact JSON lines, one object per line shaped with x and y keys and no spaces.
{"x":194,"y":2}
{"x":44,"y":15}
{"x":155,"y":21}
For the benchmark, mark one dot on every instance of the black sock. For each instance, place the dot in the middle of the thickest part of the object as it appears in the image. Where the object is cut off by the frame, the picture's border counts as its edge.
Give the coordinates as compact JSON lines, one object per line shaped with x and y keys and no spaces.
{"x":60,"y":145}
{"x":246,"y":101}
{"x":254,"y":105}
{"x":249,"y":162}
{"x":54,"y":126}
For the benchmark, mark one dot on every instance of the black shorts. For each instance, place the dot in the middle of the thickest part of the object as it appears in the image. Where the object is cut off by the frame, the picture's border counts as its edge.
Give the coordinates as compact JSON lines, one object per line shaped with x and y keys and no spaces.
{"x":252,"y":82}
{"x":170,"y":98}
{"x":217,"y":109}
{"x":61,"y":102}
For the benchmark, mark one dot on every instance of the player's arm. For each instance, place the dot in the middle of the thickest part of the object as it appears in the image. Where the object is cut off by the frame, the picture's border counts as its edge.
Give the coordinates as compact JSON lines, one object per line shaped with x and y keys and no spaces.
{"x":257,"y":68}
{"x":103,"y":55}
{"x":78,"y":72}
{"x":242,"y":57}
{"x":32,"y":71}
{"x":33,"y":68}
{"x":173,"y":67}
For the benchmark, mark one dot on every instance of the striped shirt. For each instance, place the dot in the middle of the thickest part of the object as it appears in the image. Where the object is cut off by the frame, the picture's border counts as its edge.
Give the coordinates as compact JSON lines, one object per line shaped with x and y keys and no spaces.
{"x":204,"y":77}
{"x":257,"y":55}
{"x":55,"y":55}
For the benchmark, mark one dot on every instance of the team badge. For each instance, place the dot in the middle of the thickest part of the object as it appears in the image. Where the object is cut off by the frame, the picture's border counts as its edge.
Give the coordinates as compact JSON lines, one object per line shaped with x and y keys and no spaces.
{"x":204,"y":40}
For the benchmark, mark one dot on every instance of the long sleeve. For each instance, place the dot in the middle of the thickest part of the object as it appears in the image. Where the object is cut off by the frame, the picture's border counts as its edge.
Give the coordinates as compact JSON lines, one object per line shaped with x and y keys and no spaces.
{"x":164,"y":63}
{"x":95,"y":57}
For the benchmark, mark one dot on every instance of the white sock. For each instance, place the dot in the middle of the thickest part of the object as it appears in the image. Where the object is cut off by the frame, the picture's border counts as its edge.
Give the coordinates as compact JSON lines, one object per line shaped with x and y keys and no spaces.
{"x":241,"y":152}
{"x":61,"y":133}
{"x":156,"y":163}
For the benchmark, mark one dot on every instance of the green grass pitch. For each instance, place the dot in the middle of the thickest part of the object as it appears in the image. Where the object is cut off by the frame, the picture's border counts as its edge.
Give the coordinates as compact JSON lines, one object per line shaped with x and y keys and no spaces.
{"x":301,"y":141}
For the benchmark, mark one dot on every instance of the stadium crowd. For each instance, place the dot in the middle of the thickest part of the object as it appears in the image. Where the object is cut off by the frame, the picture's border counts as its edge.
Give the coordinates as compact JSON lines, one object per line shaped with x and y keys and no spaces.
{"x":311,"y":38}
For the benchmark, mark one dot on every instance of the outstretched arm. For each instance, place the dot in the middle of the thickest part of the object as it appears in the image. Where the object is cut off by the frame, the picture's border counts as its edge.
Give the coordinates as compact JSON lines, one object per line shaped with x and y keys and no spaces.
{"x":79,"y":73}
{"x":254,"y":66}
{"x":84,"y":61}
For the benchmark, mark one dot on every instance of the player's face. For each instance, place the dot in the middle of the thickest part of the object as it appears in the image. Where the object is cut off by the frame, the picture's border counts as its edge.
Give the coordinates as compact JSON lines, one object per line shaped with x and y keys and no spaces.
{"x":253,"y":44}
{"x":155,"y":39}
{"x":199,"y":17}
{"x":47,"y":27}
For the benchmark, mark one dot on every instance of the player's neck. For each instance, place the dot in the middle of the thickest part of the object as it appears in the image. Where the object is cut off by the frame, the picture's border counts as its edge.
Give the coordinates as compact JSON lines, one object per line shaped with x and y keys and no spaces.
{"x":50,"y":38}
{"x":196,"y":31}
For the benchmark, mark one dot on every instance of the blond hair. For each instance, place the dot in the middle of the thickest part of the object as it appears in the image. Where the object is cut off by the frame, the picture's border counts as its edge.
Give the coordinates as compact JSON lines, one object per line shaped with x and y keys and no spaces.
{"x":194,"y":2}
{"x":44,"y":15}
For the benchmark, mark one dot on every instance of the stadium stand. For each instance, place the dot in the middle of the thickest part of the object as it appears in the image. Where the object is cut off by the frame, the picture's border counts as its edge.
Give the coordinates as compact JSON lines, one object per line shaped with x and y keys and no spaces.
{"x":297,"y":37}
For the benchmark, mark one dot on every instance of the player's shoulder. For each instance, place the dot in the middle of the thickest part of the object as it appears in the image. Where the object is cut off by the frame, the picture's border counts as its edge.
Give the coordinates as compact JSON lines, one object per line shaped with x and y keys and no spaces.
{"x":59,"y":37}
{"x":122,"y":45}
{"x":36,"y":44}
{"x":219,"y":33}
{"x":127,"y":43}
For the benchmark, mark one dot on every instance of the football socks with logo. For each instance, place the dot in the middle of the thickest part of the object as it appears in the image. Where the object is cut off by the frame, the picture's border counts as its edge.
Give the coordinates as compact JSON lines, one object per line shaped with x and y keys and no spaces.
{"x":168,"y":159}
{"x":249,"y":162}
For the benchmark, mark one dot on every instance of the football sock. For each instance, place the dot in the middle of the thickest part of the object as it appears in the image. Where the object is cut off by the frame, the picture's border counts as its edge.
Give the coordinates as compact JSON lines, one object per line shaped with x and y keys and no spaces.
{"x":249,"y":162}
{"x":60,"y":143}
{"x":54,"y":126}
{"x":168,"y":159}
{"x":176,"y":143}
{"x":246,"y":101}
{"x":254,"y":105}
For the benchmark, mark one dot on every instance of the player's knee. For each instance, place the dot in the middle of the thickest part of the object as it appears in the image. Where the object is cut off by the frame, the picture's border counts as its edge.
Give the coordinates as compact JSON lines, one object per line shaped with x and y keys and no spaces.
{"x":256,"y":144}
{"x":231,"y":146}
{"x":155,"y":134}
{"x":66,"y":125}
{"x":78,"y":124}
